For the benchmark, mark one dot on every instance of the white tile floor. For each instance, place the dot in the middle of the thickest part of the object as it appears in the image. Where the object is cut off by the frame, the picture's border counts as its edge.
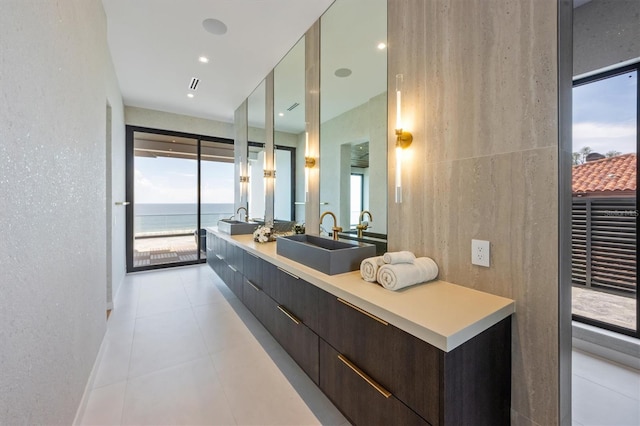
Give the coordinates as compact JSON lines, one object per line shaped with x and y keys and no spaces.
{"x":181,"y":349}
{"x":604,"y":393}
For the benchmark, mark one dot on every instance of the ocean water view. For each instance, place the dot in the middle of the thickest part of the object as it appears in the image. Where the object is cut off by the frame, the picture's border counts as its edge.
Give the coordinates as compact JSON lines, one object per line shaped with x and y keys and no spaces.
{"x":171,"y":219}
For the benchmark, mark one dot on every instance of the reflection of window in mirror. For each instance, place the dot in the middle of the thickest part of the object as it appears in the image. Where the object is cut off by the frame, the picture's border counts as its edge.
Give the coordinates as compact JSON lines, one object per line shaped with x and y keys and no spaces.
{"x":283,"y":208}
{"x":256,"y":182}
{"x":357,"y":184}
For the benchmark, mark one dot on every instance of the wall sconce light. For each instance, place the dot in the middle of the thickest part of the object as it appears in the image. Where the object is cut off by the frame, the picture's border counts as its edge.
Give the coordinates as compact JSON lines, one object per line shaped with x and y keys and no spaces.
{"x":244,"y":174}
{"x":309,"y":163}
{"x":403,"y":138}
{"x":270,"y":174}
{"x":244,"y":180}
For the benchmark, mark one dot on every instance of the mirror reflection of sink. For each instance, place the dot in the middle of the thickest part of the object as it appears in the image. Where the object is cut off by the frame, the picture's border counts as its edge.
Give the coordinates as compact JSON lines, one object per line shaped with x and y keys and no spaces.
{"x":379,"y":240}
{"x":280,"y":226}
{"x":323,"y":254}
{"x":236,"y":227}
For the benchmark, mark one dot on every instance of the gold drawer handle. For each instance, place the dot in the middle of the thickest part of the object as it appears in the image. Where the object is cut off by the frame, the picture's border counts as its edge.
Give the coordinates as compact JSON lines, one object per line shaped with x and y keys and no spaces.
{"x":362,"y":311}
{"x":255,"y":287}
{"x":289,"y":314}
{"x":366,"y":378}
{"x":289,"y":273}
{"x":232,"y":268}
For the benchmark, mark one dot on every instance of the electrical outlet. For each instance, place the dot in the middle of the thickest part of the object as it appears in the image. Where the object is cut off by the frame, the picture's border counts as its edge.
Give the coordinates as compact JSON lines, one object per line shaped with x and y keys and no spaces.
{"x":480,"y":253}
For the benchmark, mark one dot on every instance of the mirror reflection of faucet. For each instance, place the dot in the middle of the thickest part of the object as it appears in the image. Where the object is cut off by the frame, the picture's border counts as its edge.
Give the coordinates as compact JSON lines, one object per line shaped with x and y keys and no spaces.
{"x":246,"y":213}
{"x":335,"y":227}
{"x":363,"y":225}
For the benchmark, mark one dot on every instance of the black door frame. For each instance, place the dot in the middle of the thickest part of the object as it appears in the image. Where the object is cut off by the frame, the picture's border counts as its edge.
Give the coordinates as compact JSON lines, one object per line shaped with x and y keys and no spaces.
{"x":129,"y":172}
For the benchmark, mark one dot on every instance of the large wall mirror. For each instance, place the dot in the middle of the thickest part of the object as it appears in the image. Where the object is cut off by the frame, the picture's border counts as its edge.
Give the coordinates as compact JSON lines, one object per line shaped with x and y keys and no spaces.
{"x":289,"y":134}
{"x":257,"y":137}
{"x":353,"y":114}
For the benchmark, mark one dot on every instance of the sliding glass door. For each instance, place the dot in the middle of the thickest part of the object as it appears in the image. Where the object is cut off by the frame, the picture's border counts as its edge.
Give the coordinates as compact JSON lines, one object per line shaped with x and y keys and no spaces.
{"x":178,"y":184}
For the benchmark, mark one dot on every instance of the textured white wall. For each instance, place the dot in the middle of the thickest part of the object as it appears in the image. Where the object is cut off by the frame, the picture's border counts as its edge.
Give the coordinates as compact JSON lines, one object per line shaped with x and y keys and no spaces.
{"x":605,"y":32}
{"x":53,"y":96}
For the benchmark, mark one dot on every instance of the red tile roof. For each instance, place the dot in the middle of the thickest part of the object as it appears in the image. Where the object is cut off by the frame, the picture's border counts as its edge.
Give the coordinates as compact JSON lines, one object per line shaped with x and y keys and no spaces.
{"x":607,"y":176}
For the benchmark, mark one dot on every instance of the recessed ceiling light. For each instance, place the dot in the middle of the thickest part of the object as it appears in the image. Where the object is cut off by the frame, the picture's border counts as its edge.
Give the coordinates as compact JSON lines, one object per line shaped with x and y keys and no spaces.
{"x":281,"y":114}
{"x":342,"y":72}
{"x":203,"y":59}
{"x":190,"y":95}
{"x":214,"y":26}
{"x":381,"y":46}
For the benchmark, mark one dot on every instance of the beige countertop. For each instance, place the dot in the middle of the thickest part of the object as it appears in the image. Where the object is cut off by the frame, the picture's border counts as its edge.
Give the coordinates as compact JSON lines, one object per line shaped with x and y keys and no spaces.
{"x":442,"y":314}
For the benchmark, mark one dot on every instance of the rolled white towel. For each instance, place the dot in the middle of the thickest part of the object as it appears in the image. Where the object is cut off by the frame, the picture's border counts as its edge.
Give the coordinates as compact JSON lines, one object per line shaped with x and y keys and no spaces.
{"x":369,"y":268}
{"x":395,"y":277}
{"x":398,"y":257}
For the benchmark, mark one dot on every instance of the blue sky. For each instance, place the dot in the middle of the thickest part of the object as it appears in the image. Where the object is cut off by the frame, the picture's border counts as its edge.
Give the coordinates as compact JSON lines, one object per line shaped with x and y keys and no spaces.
{"x":604,"y":114}
{"x":174,"y":180}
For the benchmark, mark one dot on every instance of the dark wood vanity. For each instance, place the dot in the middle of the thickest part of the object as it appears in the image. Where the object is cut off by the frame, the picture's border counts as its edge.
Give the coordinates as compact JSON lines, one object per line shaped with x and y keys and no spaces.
{"x":373,"y":371}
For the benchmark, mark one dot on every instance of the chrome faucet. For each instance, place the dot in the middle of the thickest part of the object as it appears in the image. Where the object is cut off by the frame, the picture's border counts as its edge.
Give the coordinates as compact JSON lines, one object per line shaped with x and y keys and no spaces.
{"x":335,"y":228}
{"x":362,"y":226}
{"x":246,"y":213}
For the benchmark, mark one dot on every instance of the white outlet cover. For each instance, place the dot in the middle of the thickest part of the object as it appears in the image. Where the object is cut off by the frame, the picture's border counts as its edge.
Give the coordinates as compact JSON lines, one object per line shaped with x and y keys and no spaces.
{"x":481,"y":253}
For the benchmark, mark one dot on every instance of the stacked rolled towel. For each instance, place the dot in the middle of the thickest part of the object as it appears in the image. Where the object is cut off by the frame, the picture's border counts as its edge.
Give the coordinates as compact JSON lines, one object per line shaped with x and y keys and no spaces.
{"x":369,"y":268}
{"x":398,"y":257}
{"x":400,"y":275}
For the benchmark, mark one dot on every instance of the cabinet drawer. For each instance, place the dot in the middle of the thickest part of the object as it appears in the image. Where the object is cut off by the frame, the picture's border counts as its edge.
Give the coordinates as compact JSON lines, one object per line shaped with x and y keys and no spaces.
{"x":358,"y":335}
{"x":298,"y":340}
{"x":258,"y":303}
{"x":235,"y":281}
{"x":417,"y":371}
{"x":298,"y":296}
{"x":235,"y":257}
{"x":358,"y":395}
{"x":253,"y":269}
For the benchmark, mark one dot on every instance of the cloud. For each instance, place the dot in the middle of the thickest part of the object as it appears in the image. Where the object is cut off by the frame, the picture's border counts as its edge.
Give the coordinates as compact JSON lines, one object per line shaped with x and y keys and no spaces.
{"x":604,"y":137}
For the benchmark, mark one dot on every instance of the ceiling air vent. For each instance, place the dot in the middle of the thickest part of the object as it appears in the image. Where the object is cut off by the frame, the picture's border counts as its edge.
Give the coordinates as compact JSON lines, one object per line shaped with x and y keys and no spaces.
{"x":293,"y":106}
{"x":194,"y":83}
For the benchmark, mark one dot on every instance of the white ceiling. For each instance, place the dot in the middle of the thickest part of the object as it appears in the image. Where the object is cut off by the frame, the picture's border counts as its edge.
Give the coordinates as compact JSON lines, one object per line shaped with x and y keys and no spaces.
{"x":155,"y":45}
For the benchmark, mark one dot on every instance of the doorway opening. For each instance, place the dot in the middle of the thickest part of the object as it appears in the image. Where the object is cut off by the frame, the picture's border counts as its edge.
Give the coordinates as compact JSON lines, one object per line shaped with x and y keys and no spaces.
{"x":179,"y":185}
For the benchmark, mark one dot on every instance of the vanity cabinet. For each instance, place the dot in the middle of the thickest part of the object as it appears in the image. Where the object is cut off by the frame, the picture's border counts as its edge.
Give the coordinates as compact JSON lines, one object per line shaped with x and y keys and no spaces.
{"x":374,"y":372}
{"x":470,"y":384}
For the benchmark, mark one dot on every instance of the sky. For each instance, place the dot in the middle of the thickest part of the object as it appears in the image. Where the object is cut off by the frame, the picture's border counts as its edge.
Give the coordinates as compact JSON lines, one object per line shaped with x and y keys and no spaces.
{"x":165,"y":180}
{"x":604,"y":114}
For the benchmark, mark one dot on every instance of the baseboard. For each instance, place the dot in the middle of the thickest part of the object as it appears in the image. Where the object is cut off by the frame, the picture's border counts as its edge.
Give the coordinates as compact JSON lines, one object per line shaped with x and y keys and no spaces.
{"x":89,"y":387}
{"x":606,"y":344}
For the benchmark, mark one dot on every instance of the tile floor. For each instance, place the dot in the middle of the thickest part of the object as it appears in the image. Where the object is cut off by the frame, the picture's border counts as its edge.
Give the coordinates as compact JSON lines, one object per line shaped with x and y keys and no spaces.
{"x":604,"y":393}
{"x":181,"y":349}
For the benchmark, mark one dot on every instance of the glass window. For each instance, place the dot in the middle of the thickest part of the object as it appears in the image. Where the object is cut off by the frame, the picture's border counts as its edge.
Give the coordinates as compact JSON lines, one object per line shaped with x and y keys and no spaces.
{"x":604,"y":210}
{"x":357,"y":205}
